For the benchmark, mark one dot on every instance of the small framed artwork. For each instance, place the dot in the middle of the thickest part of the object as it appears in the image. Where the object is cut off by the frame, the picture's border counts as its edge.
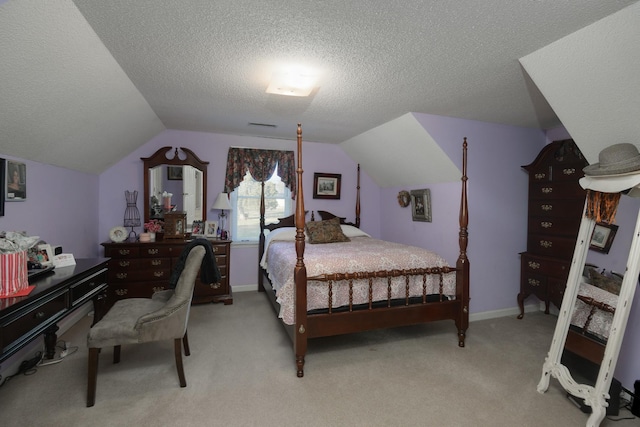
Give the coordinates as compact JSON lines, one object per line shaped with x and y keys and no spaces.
{"x":197,"y":228}
{"x":326,"y":185}
{"x":421,"y":205}
{"x":45,"y":255}
{"x":3,"y":165}
{"x":174,"y":173}
{"x":175,"y":225}
{"x":602,"y":237}
{"x":211,"y":228}
{"x":16,"y":179}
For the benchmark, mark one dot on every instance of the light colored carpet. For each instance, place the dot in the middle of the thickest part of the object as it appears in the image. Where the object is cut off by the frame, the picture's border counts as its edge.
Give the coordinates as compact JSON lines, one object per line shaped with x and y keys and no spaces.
{"x":241,"y":372}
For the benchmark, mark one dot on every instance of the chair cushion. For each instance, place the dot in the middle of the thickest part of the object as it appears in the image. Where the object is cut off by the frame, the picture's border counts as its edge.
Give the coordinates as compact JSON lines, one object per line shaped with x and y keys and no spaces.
{"x":117,"y":327}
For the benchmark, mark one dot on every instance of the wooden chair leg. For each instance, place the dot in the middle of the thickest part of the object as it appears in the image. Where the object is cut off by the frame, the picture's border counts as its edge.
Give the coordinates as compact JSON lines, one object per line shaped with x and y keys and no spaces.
{"x":177,"y":346}
{"x":92,"y":376}
{"x":185,"y":342}
{"x":116,"y":353}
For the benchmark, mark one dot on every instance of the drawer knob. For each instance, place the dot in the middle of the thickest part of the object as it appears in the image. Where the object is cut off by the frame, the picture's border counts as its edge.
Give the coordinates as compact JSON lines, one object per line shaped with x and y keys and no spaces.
{"x":121,"y":275}
{"x":540,"y":175}
{"x":569,"y":171}
{"x":534,"y":265}
{"x":124,"y":263}
{"x":534,"y":282}
{"x":546,"y":244}
{"x":546,"y":207}
{"x":40,"y":315}
{"x":121,"y":292}
{"x":153,"y":251}
{"x":124,"y":251}
{"x":156,"y":262}
{"x":547,"y":190}
{"x":546,"y":224}
{"x":158,"y":273}
{"x":158,"y":288}
{"x":215,"y":285}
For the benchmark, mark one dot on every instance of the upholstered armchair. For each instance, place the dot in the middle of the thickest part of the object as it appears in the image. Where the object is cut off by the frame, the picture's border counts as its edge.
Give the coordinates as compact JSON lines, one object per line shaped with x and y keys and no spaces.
{"x":141,"y":320}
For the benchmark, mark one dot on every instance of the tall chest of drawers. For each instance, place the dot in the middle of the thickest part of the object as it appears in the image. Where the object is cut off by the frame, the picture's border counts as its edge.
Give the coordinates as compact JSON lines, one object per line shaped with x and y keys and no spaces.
{"x":556,"y":202}
{"x":137,"y":270}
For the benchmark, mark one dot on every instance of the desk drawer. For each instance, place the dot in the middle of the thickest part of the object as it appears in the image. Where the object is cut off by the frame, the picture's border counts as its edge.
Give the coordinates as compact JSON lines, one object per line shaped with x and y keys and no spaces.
{"x":20,"y":325}
{"x":87,"y":286}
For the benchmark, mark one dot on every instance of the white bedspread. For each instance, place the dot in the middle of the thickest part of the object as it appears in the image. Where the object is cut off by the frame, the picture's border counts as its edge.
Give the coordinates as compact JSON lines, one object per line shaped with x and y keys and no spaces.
{"x":601,"y":320}
{"x":362,"y":253}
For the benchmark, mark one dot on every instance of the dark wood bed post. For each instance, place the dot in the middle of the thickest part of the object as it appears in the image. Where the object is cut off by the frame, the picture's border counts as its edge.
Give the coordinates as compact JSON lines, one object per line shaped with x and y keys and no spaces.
{"x":462,"y":265}
{"x":358,"y":199}
{"x":300,"y":272}
{"x":261,"y":239}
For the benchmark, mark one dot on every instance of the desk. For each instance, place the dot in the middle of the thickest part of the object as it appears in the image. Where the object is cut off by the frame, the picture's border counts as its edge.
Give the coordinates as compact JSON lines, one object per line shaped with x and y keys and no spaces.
{"x":56,"y":295}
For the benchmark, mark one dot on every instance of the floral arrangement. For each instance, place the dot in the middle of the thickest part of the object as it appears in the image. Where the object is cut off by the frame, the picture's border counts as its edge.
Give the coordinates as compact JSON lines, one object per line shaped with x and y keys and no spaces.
{"x":154,"y":226}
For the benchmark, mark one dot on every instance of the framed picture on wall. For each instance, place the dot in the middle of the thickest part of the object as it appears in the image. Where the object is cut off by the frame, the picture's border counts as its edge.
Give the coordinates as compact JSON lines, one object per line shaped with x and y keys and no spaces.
{"x":602,"y":237}
{"x":3,"y":165}
{"x":16,"y":181}
{"x":421,"y":205}
{"x":174,"y":173}
{"x":326,"y":185}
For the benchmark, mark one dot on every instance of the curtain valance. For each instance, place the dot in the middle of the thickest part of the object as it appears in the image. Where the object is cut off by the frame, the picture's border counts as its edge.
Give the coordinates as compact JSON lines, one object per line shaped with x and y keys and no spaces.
{"x":261,"y":164}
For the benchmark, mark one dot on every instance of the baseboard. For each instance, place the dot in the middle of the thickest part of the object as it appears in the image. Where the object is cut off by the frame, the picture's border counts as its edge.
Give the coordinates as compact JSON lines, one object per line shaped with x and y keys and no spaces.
{"x":10,"y":366}
{"x":505,"y":312}
{"x":244,"y":288}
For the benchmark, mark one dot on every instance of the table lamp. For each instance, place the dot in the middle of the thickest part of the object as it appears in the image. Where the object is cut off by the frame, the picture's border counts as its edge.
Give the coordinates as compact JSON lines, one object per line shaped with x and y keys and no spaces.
{"x":222,"y":204}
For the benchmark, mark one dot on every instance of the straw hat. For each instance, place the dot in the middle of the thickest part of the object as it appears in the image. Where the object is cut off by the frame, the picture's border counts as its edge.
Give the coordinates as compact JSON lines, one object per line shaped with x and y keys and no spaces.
{"x":616,"y":159}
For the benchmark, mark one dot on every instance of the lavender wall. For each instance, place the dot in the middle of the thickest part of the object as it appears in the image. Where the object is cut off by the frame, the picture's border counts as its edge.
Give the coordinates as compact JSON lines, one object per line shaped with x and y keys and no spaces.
{"x":128,"y":175}
{"x":497,"y":189}
{"x":61,"y":208}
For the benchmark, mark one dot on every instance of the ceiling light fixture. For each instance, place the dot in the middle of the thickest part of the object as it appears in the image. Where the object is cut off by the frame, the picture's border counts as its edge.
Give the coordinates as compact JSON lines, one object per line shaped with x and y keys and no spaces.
{"x":292,"y":82}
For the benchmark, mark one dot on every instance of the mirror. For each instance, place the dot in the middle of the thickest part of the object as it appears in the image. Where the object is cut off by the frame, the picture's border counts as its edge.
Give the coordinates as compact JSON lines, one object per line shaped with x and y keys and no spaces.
{"x":183,"y":175}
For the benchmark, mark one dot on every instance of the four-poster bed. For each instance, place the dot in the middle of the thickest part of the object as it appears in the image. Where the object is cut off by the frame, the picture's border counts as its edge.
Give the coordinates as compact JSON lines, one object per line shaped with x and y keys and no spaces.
{"x":321,"y":296}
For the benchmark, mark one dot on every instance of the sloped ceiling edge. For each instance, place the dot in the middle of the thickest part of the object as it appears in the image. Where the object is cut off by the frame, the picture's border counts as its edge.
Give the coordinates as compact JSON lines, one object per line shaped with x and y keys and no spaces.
{"x":66,"y":101}
{"x":401,"y":153}
{"x":591,"y":79}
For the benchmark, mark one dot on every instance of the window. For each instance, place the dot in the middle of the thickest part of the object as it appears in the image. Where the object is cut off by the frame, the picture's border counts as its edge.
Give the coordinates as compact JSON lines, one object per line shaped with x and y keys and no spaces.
{"x":245,"y":200}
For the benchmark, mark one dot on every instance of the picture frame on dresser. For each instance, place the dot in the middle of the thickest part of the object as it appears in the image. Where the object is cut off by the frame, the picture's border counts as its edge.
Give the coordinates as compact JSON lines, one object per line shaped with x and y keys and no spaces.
{"x":602,"y":237}
{"x":197,"y":229}
{"x":210,"y":229}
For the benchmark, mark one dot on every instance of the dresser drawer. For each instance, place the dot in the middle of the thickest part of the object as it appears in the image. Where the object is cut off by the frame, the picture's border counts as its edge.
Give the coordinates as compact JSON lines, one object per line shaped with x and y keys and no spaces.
{"x":16,"y":327}
{"x":555,"y":190}
{"x":559,"y":226}
{"x":116,"y":251}
{"x":133,"y":275}
{"x":568,"y":208}
{"x":219,"y":249}
{"x":137,"y":289}
{"x":124,"y":264}
{"x":552,"y":246}
{"x":535,"y":265}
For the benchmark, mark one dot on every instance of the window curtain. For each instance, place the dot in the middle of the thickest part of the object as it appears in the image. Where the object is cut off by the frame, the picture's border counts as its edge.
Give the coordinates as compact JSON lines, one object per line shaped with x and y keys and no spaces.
{"x":261,"y":164}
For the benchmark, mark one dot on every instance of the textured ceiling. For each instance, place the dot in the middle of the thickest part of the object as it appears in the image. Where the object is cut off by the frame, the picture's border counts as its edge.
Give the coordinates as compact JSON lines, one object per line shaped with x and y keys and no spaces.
{"x":87,"y":82}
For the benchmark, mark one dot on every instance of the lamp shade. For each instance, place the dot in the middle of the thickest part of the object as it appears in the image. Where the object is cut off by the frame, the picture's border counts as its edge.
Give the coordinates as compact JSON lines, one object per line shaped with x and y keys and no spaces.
{"x":222,"y":202}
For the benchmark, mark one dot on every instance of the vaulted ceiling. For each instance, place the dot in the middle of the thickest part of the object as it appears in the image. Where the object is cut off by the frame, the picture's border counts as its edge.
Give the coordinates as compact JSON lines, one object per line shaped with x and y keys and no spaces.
{"x":86,"y":82}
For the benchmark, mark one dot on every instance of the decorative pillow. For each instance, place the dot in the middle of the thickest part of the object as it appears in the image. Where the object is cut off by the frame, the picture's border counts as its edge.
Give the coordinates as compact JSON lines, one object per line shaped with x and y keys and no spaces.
{"x":603,"y":282}
{"x":328,"y":231}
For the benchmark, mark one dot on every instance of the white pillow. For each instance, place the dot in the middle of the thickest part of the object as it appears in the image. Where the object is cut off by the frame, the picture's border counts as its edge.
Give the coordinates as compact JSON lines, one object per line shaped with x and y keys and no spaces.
{"x":351,"y":231}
